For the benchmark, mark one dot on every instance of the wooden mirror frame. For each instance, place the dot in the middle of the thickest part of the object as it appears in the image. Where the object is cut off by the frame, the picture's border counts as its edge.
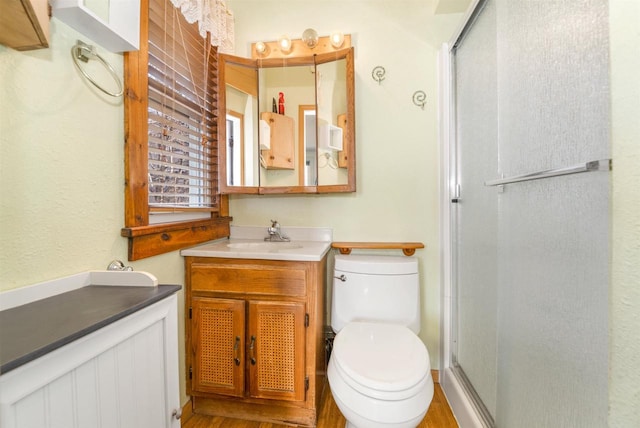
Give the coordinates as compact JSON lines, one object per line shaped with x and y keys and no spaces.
{"x":347,"y":156}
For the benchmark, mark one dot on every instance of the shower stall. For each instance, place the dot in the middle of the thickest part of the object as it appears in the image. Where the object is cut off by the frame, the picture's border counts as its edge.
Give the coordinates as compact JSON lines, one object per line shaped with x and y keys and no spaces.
{"x":526,"y":160}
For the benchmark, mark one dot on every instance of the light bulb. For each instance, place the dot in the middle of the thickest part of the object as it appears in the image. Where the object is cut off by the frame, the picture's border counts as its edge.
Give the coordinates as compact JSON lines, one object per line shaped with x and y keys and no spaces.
{"x":310,"y":38}
{"x":261,"y":48}
{"x":285,"y":44}
{"x":337,"y":39}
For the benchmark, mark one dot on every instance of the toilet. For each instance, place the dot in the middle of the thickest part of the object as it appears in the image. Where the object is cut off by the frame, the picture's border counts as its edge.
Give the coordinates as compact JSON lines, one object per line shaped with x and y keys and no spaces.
{"x":379,"y":370}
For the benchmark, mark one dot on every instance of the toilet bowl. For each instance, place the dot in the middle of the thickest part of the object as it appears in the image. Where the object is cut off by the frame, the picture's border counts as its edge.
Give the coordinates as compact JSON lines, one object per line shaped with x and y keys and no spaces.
{"x":380,"y":376}
{"x":379,"y":370}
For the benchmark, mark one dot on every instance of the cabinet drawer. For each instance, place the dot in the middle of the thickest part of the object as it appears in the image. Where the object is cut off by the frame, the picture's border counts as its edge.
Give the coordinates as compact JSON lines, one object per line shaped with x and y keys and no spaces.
{"x":249,"y":279}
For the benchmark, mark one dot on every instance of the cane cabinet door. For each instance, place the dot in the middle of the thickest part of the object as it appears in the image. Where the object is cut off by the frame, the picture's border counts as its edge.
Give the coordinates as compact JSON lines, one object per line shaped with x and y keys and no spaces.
{"x":218,"y":328}
{"x":277,"y":350}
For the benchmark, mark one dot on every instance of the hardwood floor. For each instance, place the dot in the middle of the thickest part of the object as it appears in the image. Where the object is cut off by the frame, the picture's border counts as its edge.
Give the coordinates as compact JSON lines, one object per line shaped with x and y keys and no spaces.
{"x":438,"y":416}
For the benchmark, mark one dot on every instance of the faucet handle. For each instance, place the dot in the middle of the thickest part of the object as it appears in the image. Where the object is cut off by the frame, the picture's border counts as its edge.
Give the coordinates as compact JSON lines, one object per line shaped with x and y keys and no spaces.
{"x":274,"y":223}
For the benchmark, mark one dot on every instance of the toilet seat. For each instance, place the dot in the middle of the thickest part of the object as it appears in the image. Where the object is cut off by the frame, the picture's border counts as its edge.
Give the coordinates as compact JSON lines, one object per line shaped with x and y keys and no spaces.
{"x":383,"y":361}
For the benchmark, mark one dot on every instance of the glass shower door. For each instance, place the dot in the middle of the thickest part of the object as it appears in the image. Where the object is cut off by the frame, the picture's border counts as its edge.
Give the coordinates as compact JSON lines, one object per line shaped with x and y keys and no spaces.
{"x":531,"y":259}
{"x":475,"y":214}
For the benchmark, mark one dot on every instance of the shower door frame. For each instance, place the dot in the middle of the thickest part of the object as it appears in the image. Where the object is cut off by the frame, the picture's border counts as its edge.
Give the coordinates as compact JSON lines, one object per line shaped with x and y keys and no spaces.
{"x":467,"y":413}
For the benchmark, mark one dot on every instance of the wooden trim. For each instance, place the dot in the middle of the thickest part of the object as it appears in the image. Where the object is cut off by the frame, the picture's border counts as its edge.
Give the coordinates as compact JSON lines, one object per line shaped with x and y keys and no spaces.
{"x":276,"y":412}
{"x":187,"y":412}
{"x":349,"y":133}
{"x":147,"y":241}
{"x":136,"y":98}
{"x":408,"y":248}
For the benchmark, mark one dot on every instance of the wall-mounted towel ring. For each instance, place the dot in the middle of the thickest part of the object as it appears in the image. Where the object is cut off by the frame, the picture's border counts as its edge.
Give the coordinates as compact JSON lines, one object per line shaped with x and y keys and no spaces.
{"x":84,"y":52}
{"x":420,"y":99}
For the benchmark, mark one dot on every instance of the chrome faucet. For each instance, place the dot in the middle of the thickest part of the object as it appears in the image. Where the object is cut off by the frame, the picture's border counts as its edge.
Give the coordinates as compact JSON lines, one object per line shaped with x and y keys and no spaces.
{"x":274,"y":233}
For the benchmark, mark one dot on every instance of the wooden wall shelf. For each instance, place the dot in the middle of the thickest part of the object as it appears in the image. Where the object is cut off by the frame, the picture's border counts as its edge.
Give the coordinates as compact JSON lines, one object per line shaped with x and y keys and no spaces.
{"x":408,"y":248}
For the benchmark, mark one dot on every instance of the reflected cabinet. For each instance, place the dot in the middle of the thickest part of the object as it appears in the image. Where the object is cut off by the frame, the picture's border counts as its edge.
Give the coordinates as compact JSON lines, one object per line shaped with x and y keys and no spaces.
{"x":290,"y":124}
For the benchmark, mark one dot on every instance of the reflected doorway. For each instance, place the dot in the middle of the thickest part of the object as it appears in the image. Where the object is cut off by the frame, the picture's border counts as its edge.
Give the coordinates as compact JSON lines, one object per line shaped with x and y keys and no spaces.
{"x":308,"y":162}
{"x":235,"y":148}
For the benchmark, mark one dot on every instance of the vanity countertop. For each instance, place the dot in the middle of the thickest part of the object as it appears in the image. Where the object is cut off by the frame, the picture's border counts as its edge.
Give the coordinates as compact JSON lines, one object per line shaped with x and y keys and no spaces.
{"x":247,"y":242}
{"x":34,"y":329}
{"x":255,"y":249}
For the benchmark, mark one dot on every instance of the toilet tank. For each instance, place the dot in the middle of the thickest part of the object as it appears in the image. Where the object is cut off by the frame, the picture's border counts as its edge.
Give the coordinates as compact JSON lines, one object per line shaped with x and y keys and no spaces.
{"x":375,"y":288}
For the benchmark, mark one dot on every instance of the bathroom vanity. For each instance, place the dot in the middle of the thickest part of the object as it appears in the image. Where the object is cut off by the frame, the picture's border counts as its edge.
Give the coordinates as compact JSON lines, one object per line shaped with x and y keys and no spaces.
{"x":94,"y":349}
{"x":254,"y":328}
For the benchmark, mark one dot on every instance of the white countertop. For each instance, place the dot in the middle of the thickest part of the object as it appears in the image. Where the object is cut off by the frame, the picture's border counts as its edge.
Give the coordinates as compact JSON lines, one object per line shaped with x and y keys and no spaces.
{"x":247,"y":242}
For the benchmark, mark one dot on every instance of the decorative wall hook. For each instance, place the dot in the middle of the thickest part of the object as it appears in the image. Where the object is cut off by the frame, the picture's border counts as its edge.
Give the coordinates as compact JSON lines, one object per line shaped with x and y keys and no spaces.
{"x":420,"y":99}
{"x":378,"y":73}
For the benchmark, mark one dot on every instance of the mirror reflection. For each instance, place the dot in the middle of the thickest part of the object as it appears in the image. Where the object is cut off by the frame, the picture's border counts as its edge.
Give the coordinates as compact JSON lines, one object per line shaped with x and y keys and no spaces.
{"x":307,"y":138}
{"x":289,"y":124}
{"x":241,"y":95}
{"x":284,"y":93}
{"x":331,"y":84}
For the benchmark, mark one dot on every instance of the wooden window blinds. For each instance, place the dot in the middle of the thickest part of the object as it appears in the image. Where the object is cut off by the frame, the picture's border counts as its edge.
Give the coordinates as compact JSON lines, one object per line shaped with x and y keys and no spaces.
{"x":182,"y":113}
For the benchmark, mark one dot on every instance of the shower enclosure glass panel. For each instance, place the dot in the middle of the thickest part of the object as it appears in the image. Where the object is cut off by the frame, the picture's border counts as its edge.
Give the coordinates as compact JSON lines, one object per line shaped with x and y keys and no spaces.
{"x":476,"y":213}
{"x":553,"y":98}
{"x":531,"y":259}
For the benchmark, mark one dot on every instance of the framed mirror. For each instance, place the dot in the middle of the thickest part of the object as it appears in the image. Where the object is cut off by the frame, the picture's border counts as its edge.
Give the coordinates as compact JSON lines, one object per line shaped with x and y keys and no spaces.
{"x":239,"y":156}
{"x":290,"y":124}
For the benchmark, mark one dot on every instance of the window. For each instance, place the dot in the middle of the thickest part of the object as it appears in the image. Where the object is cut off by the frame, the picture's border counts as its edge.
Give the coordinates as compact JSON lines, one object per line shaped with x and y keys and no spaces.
{"x":171,"y":177}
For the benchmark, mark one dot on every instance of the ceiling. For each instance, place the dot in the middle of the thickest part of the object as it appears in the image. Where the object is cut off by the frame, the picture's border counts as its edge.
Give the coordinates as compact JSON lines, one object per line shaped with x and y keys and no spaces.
{"x":450,"y":6}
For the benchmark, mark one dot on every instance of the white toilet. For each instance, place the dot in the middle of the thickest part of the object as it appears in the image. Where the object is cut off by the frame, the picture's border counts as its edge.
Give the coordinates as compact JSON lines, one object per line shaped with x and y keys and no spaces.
{"x":379,"y":370}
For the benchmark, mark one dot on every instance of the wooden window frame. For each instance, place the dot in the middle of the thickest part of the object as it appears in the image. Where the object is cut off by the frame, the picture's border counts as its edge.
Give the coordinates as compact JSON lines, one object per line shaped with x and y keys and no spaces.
{"x":145,"y":239}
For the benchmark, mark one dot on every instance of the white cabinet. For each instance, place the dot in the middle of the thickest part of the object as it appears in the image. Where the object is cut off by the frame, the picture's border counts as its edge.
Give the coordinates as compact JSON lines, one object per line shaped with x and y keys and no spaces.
{"x":124,"y":374}
{"x":115,"y":25}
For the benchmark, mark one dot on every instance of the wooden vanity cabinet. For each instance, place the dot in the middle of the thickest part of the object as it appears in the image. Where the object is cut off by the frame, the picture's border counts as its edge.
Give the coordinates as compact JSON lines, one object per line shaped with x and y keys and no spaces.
{"x":25,"y":24}
{"x":255,"y":343}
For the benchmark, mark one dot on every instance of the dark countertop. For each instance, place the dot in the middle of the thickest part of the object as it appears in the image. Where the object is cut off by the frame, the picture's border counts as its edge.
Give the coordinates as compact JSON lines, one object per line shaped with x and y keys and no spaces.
{"x":37,"y":328}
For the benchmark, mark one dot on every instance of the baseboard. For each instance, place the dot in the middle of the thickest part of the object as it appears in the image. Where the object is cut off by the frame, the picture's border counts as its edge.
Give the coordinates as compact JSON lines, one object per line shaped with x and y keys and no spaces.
{"x":187,"y":412}
{"x":265,"y":411}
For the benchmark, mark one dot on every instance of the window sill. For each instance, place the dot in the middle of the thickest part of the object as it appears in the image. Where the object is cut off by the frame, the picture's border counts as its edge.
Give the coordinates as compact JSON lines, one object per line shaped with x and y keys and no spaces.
{"x":147,"y":241}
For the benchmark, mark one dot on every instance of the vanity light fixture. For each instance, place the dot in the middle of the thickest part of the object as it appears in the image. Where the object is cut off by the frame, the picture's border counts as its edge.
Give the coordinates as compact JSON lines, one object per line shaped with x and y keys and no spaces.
{"x":285,"y":44}
{"x":337,"y":39}
{"x":310,"y":38}
{"x":310,"y":44}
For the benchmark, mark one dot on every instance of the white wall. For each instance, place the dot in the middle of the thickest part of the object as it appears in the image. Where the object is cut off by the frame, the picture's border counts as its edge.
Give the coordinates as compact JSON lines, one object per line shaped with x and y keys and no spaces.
{"x":624,"y":320}
{"x":396,"y":141}
{"x":62,"y":170}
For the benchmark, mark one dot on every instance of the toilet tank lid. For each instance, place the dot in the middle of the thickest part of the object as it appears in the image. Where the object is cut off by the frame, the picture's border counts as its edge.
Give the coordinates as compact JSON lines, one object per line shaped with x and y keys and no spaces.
{"x":380,"y":265}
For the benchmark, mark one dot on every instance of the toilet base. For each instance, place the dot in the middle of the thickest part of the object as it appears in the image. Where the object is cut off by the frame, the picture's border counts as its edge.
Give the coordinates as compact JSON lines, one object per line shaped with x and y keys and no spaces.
{"x":366,"y":423}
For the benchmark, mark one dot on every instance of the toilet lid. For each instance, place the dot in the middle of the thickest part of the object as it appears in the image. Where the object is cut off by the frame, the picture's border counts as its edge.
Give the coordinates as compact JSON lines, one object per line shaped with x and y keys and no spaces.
{"x":383,"y":357}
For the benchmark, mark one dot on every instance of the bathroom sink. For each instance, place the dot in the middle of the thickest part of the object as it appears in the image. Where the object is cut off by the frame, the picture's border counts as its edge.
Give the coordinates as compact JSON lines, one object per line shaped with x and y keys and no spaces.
{"x":247,"y":242}
{"x":264,"y":246}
